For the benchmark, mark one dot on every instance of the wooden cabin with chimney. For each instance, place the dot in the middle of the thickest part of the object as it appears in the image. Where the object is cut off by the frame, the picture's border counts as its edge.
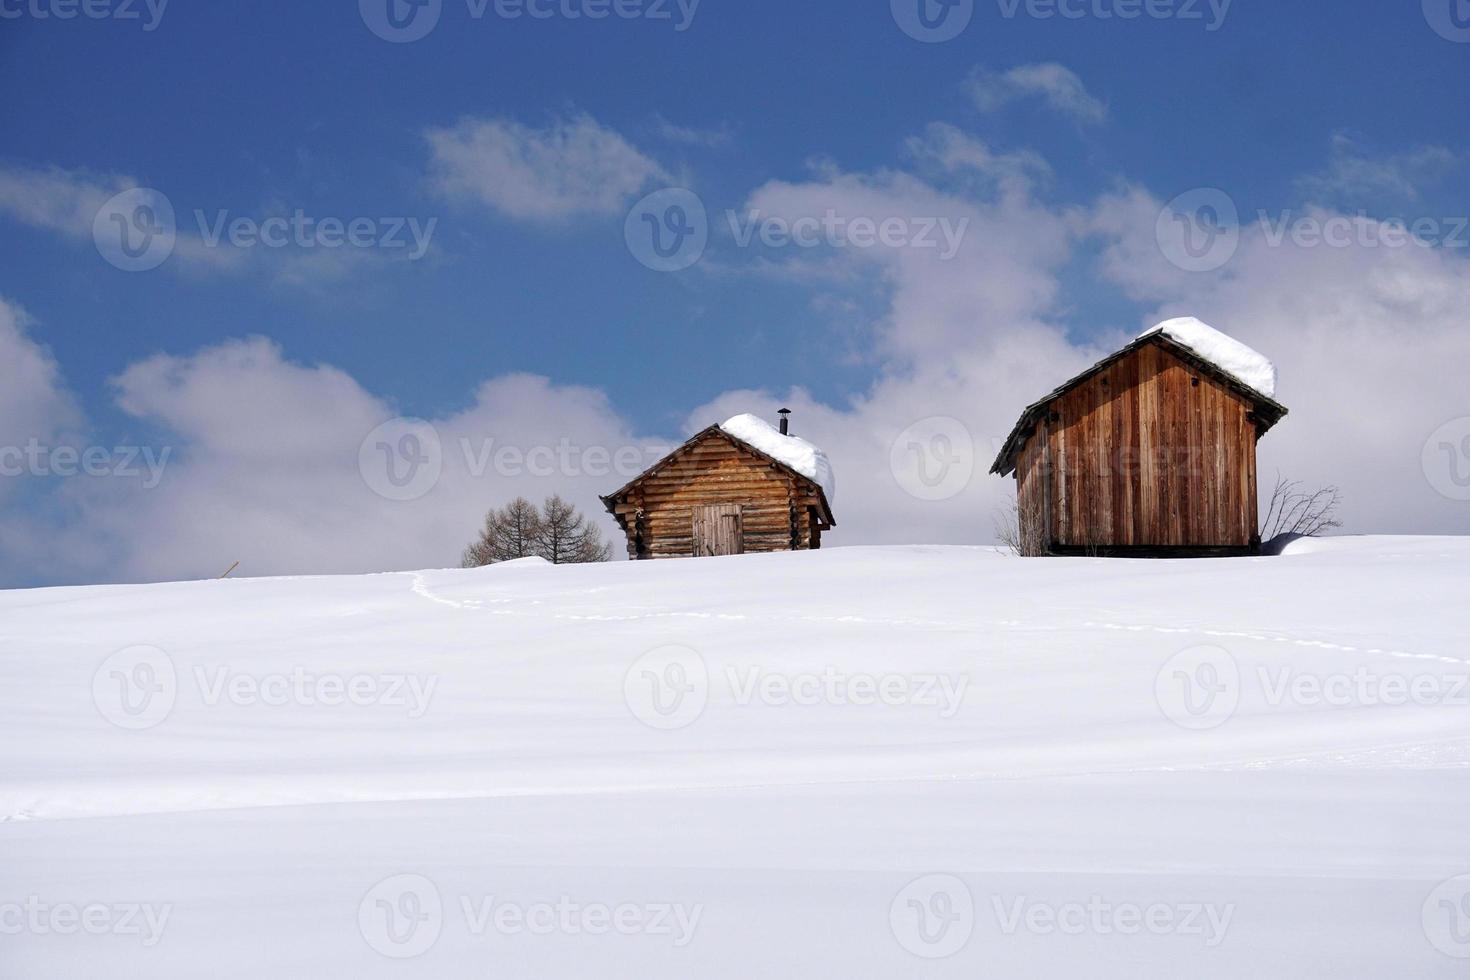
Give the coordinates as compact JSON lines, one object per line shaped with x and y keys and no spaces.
{"x":1150,"y":452}
{"x":740,"y":487}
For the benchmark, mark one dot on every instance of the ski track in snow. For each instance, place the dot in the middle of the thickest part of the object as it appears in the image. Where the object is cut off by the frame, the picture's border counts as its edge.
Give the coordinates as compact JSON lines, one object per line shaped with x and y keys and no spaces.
{"x":421,"y":588}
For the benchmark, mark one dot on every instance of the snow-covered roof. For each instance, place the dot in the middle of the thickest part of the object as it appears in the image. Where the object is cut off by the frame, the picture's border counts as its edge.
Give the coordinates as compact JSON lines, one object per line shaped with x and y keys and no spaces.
{"x":1249,"y":372}
{"x":797,"y":453}
{"x":1245,"y":365}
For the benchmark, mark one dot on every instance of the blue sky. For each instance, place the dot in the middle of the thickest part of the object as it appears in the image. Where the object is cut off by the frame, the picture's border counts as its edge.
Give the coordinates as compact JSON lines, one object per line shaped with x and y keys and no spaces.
{"x":269,"y":107}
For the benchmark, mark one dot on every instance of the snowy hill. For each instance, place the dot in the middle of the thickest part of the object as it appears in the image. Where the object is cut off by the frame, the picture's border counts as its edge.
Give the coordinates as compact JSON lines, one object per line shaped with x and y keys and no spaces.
{"x":866,"y":762}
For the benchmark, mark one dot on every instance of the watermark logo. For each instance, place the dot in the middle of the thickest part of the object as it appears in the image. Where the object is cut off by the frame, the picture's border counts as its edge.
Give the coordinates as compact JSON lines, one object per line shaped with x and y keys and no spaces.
{"x":668,"y":230}
{"x":401,"y":917}
{"x":400,"y":21}
{"x":1449,"y":18}
{"x":1199,"y":231}
{"x":402,"y":459}
{"x":1199,"y":688}
{"x":1446,"y":917}
{"x":136,"y":231}
{"x":933,"y":21}
{"x":933,"y":917}
{"x":933,"y":459}
{"x":1446,"y":459}
{"x":148,"y":12}
{"x":135,"y":688}
{"x":667,"y":688}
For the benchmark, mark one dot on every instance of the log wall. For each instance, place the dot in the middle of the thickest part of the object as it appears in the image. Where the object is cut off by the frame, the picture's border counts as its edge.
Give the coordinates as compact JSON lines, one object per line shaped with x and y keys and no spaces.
{"x":776,"y":509}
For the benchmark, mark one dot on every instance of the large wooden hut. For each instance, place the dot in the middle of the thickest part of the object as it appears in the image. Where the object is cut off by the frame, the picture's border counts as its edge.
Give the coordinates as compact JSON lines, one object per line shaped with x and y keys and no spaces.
{"x":1150,"y":452}
{"x":742,"y":486}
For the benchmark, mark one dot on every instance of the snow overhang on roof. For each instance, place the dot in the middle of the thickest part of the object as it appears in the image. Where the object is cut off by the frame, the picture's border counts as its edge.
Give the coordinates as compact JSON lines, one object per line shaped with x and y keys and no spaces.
{"x":1227,"y":360}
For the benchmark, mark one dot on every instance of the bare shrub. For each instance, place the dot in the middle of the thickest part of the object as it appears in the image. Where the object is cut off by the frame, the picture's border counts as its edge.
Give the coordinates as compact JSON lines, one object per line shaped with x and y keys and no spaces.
{"x":1296,"y":511}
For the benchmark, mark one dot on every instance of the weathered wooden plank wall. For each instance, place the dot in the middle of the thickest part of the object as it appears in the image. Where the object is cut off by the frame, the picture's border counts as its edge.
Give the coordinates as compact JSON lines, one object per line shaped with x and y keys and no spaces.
{"x":718,"y":530}
{"x":1149,"y":452}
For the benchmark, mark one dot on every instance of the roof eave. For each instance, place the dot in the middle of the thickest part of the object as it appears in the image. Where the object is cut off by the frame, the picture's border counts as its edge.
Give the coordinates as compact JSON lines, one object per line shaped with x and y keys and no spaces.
{"x":1005,"y":463}
{"x":610,"y":501}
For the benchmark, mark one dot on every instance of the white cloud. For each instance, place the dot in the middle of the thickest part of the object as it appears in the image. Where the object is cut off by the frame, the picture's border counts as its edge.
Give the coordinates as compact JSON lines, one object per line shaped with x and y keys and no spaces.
{"x":1369,"y":340}
{"x":264,"y":469}
{"x":571,"y":167}
{"x":1003,"y":274}
{"x":1057,"y":86}
{"x":955,"y":152}
{"x":66,"y":203}
{"x":1370,"y":343}
{"x":35,"y":410}
{"x":58,"y":200}
{"x":33,"y":400}
{"x":1357,"y":178}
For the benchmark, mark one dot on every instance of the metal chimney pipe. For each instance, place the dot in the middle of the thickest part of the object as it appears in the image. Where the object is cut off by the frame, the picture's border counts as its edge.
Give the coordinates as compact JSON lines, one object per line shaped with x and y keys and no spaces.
{"x":785,"y":414}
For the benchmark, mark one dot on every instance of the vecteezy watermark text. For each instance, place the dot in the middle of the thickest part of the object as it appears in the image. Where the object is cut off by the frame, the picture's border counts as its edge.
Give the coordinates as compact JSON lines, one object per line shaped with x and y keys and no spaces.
{"x":136,"y":688}
{"x":402,"y":917}
{"x":1098,"y":916}
{"x":124,"y":462}
{"x":403,"y":459}
{"x":405,"y":21}
{"x":298,"y":686}
{"x":37,"y":917}
{"x":1203,"y":687}
{"x":301,"y":230}
{"x":833,"y":230}
{"x":937,"y":21}
{"x":148,"y":12}
{"x":668,"y":688}
{"x":138,"y":229}
{"x":1210,"y":13}
{"x":1201,"y":230}
{"x":840,"y":688}
{"x":669,"y":230}
{"x":933,"y":917}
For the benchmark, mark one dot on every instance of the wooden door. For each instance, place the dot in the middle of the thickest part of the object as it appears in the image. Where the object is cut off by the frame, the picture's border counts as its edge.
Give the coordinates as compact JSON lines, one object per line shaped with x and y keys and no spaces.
{"x":718,"y":530}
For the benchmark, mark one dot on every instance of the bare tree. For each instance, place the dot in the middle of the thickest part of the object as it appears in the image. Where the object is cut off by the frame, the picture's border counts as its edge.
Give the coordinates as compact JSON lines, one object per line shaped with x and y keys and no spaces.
{"x":565,"y":537}
{"x":509,"y":533}
{"x":1296,"y":511}
{"x":556,"y":532}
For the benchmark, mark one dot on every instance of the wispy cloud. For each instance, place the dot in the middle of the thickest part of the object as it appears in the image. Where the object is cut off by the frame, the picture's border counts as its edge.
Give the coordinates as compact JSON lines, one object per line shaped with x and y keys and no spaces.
{"x":709,"y":139}
{"x":571,"y":167}
{"x":1355,"y":174}
{"x":70,"y":203}
{"x":954,"y":151}
{"x":1057,"y":86}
